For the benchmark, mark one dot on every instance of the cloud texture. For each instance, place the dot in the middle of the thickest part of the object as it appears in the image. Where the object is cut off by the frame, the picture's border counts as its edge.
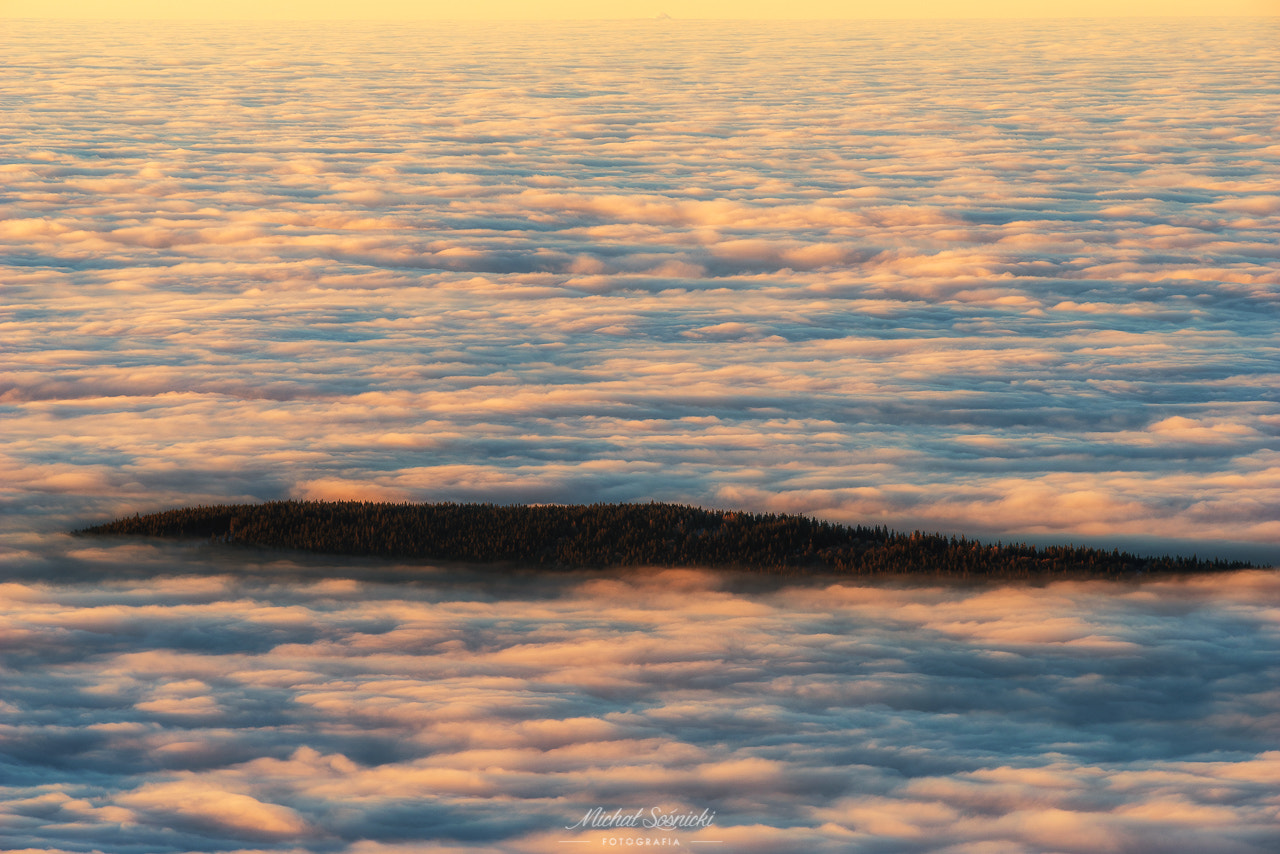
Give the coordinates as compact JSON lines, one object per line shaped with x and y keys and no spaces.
{"x":1013,"y":278}
{"x":200,"y":702}
{"x":991,"y":277}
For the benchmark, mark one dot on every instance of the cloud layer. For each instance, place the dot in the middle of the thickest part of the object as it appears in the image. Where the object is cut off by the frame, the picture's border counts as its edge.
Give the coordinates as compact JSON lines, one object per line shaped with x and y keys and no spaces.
{"x":199,"y":702}
{"x":1004,"y":278}
{"x":992,"y":277}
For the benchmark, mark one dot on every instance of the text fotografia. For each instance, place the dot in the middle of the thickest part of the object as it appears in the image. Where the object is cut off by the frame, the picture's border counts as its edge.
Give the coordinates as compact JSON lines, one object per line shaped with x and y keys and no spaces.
{"x":653,"y":818}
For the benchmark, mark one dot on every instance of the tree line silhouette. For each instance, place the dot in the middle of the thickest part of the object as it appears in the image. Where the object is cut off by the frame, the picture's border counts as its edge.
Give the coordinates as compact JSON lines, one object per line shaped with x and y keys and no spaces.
{"x":616,"y":535}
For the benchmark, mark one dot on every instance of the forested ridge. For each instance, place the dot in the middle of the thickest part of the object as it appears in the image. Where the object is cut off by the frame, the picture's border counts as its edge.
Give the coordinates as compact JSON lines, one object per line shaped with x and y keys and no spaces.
{"x":617,"y":535}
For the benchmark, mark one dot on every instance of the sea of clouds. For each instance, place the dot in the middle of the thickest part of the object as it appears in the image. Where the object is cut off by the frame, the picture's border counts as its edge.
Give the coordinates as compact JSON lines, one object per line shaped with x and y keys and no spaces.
{"x":173,"y":698}
{"x":1001,"y":278}
{"x":1012,"y":279}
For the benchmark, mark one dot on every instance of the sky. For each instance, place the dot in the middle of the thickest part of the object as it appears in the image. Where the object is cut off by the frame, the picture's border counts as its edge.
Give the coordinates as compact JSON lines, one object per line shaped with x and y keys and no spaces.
{"x":589,"y":9}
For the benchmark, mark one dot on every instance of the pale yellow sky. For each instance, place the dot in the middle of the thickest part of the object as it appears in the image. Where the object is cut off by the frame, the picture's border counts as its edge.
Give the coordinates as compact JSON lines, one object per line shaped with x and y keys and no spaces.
{"x":571,"y":9}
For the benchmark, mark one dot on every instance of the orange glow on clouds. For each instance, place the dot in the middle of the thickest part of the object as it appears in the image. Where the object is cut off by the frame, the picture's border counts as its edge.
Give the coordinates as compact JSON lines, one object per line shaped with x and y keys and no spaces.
{"x":1005,"y":278}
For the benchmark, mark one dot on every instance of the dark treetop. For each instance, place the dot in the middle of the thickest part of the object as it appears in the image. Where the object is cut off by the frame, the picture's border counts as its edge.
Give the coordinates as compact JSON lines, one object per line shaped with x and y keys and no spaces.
{"x":613,"y":535}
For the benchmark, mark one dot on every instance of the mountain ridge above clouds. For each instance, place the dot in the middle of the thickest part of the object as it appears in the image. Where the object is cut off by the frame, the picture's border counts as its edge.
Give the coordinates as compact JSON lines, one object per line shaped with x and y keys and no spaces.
{"x":572,"y":536}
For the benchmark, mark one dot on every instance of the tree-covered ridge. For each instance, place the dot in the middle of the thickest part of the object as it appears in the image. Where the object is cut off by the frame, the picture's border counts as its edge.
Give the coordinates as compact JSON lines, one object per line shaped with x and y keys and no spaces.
{"x":609,"y":535}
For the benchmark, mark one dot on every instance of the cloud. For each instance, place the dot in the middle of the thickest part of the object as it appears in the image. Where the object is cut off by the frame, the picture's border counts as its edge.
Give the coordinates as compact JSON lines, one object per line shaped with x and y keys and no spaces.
{"x":458,"y":710}
{"x":213,"y":810}
{"x":949,"y":314}
{"x":959,"y":279}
